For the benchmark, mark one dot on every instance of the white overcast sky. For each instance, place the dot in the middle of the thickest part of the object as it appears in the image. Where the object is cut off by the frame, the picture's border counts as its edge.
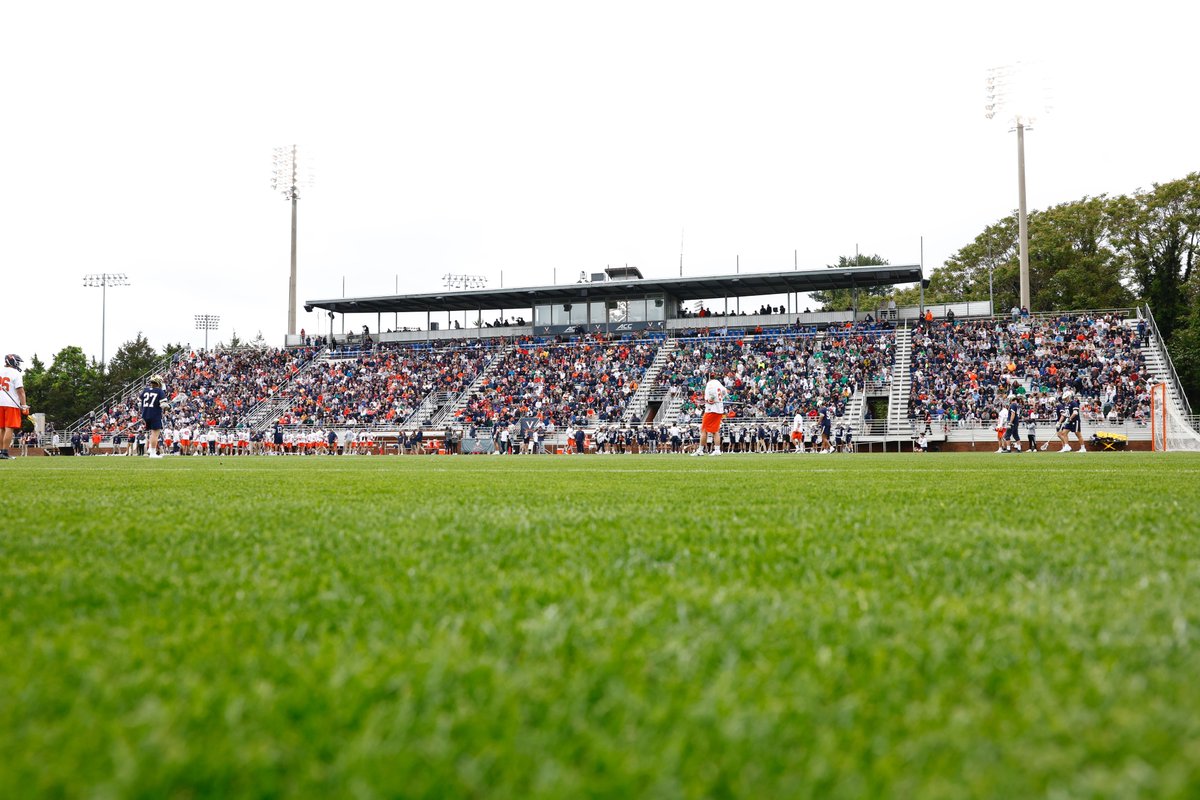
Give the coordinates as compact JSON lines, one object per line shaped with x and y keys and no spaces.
{"x":536,"y":139}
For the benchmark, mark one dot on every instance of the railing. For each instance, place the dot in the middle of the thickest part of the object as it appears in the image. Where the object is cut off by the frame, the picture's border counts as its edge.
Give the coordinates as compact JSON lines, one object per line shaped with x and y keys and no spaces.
{"x":648,"y":383}
{"x":262,"y":413}
{"x":972,"y":430}
{"x":429,"y":406}
{"x":1170,"y":365}
{"x":460,"y":401}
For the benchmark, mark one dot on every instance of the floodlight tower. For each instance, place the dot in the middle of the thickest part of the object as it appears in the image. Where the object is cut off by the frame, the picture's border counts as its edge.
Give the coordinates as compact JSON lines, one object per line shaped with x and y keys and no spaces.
{"x":1012,"y":92}
{"x":206,"y":323}
{"x":287,"y":180}
{"x":104,"y":280}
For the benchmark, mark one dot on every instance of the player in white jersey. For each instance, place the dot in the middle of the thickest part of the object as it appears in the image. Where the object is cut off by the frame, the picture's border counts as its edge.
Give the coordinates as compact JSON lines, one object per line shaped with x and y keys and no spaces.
{"x":798,"y":431}
{"x":1002,"y":430}
{"x":12,"y":402}
{"x":714,"y":411}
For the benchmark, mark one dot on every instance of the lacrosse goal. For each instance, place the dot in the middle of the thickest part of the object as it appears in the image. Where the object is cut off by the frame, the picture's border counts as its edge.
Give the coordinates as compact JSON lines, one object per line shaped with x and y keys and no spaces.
{"x":1169,"y":429}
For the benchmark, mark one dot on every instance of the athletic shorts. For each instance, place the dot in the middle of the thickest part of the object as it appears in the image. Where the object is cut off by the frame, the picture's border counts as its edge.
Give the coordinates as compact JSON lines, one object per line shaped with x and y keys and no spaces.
{"x":1000,"y":433}
{"x":797,"y":436}
{"x":10,"y":417}
{"x":153,"y":423}
{"x":711,"y":423}
{"x":1071,"y":427}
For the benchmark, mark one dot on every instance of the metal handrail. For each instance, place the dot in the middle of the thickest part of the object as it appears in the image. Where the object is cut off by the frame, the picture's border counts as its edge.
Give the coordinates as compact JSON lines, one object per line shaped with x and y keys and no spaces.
{"x":1078,"y":312}
{"x":124,"y":393}
{"x":1162,"y":347}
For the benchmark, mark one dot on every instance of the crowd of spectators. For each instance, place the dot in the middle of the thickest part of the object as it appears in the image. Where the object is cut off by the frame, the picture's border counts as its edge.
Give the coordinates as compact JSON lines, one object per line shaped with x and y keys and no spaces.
{"x":783,"y":374}
{"x":961,"y":371}
{"x":386,"y":385}
{"x":211,"y":387}
{"x":582,"y":381}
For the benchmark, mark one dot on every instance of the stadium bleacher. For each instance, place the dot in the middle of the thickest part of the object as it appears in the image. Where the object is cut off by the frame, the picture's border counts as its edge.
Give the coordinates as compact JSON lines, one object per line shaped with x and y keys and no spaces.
{"x":961,"y":370}
{"x":950,"y":378}
{"x":578,"y":382}
{"x":210,"y":388}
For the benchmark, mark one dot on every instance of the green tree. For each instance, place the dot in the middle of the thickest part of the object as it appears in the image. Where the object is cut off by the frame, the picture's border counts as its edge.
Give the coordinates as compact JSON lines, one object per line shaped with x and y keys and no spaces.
{"x":965,"y":275}
{"x":843,"y":299}
{"x":34,"y":377}
{"x":1155,"y":235}
{"x":173,"y":349}
{"x":1184,"y":345}
{"x":132,"y":360}
{"x":1072,"y":264}
{"x":67,"y":390}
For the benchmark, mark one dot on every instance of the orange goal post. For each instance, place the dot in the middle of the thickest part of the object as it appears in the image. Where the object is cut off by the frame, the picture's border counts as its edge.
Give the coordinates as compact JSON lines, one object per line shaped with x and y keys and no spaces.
{"x":1169,"y":429}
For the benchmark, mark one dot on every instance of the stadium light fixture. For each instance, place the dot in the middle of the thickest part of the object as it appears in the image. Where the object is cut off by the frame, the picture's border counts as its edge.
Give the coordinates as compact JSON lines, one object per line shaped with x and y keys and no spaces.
{"x":206,"y":323}
{"x":1015,"y":93}
{"x":104,"y":280}
{"x":288,"y":178}
{"x":454,"y":281}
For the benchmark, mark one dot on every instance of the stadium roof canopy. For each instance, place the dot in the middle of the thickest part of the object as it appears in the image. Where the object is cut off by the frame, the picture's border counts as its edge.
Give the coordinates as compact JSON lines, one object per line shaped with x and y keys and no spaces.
{"x":683,"y":289}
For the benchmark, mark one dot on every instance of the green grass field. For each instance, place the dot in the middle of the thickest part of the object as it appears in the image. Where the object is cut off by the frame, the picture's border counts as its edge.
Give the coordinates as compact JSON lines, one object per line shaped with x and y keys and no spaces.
{"x":639,"y":626}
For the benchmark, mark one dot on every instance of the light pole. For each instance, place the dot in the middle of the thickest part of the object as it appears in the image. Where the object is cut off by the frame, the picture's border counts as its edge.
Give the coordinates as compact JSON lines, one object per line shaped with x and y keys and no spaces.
{"x":104,"y":280}
{"x":287,"y":180}
{"x":206,"y":323}
{"x":1011,"y":90}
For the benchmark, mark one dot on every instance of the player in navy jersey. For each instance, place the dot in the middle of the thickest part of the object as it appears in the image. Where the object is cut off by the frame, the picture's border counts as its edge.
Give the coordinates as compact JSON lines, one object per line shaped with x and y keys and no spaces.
{"x":153,"y":401}
{"x":826,"y":428}
{"x":1073,"y":423}
{"x":1060,"y":420}
{"x":1013,"y":434}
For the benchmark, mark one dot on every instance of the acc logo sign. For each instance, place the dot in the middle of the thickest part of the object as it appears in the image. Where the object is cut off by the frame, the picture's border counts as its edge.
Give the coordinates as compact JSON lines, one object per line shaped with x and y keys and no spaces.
{"x":625,"y":327}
